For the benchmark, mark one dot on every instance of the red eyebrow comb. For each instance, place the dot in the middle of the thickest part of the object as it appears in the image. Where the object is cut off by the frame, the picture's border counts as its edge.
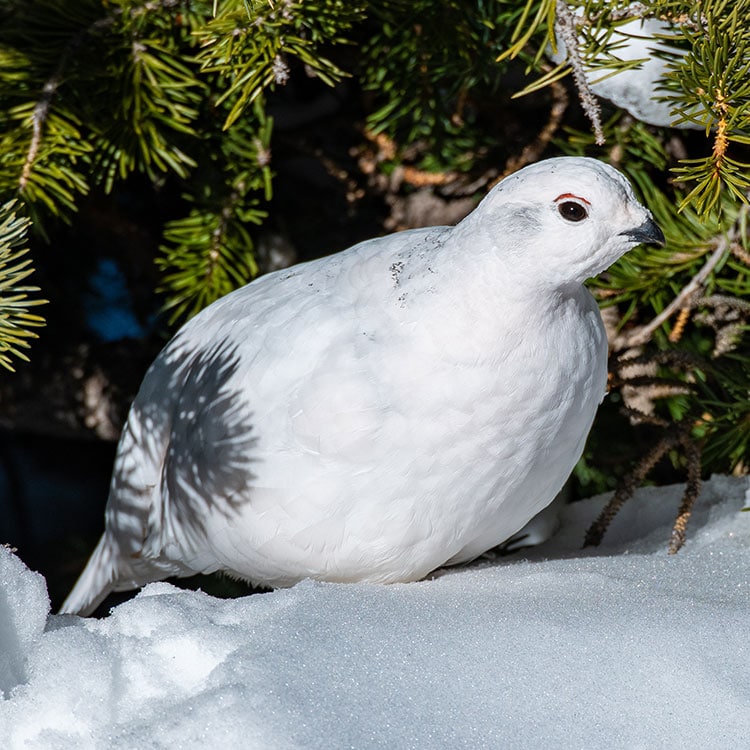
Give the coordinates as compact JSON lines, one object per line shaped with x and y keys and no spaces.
{"x":570,"y":195}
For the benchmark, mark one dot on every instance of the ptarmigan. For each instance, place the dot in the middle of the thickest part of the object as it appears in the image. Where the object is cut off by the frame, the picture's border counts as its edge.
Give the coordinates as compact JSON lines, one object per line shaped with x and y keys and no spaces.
{"x":405,"y":404}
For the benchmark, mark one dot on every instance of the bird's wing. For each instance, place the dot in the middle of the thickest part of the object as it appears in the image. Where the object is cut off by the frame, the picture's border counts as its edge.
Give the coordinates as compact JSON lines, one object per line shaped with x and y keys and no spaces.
{"x":261,"y":370}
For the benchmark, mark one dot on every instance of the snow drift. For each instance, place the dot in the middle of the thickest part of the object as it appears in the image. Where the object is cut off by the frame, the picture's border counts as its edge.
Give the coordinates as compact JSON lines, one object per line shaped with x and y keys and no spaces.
{"x":619,"y":647}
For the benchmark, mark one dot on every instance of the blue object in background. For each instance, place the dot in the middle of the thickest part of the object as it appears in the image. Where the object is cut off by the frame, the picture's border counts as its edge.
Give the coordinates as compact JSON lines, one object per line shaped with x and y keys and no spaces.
{"x":108,"y":305}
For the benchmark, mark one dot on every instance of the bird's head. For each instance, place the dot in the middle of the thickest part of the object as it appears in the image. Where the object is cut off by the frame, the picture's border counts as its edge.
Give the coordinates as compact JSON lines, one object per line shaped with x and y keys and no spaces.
{"x":563,"y":220}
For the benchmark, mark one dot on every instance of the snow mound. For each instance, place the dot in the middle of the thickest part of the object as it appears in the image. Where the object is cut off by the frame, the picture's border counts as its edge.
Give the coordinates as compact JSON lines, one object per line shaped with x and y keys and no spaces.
{"x":622,"y":646}
{"x":24,"y":606}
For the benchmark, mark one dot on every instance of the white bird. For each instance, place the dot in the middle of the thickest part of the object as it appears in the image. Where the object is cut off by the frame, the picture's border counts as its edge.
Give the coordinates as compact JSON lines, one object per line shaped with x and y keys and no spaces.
{"x":405,"y":404}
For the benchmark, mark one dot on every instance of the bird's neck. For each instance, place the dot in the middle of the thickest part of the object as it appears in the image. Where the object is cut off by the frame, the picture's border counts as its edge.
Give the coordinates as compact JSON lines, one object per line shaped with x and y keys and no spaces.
{"x":474,"y":309}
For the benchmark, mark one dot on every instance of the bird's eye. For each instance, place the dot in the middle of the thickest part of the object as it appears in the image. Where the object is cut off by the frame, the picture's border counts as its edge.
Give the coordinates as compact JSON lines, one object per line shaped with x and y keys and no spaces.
{"x":572,"y":211}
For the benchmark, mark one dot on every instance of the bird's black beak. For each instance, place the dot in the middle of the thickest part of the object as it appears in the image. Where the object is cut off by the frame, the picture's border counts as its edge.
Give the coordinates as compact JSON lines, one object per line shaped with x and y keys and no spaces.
{"x":648,"y":233}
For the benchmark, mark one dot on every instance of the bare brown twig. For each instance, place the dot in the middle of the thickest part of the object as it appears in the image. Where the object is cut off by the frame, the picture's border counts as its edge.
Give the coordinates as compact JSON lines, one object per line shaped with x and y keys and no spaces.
{"x":677,"y":435}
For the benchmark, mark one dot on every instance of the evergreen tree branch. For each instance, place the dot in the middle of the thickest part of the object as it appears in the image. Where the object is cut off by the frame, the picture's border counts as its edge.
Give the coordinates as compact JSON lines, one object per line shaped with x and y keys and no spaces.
{"x":15,"y":318}
{"x":49,"y":91}
{"x":639,"y":336}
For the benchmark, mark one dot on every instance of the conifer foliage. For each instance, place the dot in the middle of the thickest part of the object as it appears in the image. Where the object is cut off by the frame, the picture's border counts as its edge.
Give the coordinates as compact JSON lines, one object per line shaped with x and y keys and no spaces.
{"x":459,"y":92}
{"x":94,"y":91}
{"x":16,"y":322}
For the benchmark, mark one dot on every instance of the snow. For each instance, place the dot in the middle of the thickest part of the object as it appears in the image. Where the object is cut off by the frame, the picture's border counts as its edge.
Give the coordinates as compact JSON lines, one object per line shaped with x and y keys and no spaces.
{"x":622,"y":646}
{"x":641,"y":90}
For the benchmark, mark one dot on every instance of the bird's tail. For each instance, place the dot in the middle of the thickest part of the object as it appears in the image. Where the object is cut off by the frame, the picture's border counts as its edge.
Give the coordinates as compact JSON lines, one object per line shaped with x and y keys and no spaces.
{"x":96,"y":582}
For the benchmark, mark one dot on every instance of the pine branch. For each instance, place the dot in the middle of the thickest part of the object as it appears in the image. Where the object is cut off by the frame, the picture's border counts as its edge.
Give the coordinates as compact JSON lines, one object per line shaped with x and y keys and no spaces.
{"x":15,"y":318}
{"x":248,"y":45}
{"x":639,"y":336}
{"x":49,"y":90}
{"x":690,"y":292}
